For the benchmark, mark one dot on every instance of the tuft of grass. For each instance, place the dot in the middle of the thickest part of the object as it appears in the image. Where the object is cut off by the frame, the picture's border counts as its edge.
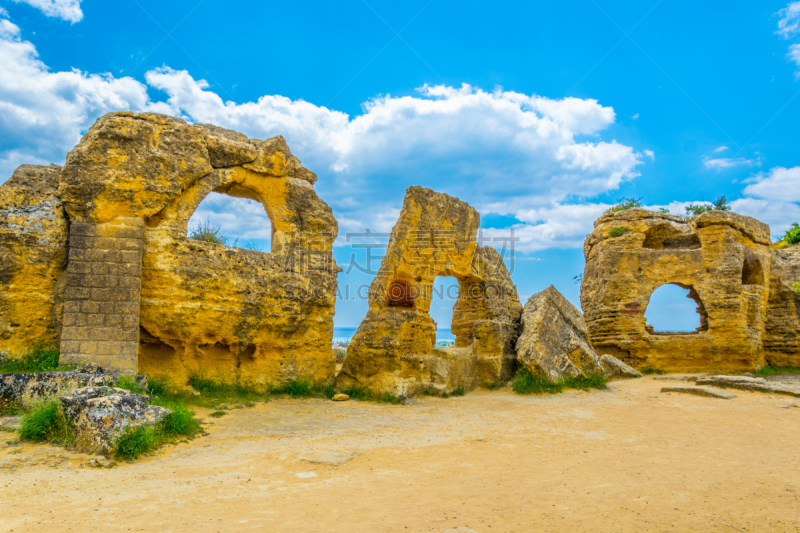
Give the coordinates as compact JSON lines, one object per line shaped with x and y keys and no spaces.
{"x":527,"y":383}
{"x":40,"y":357}
{"x":158,"y":385}
{"x":181,"y":422}
{"x":647,"y":370}
{"x":366,"y":395}
{"x":340,"y":354}
{"x":493,"y":386}
{"x":776,"y":370}
{"x":618,"y":232}
{"x":218,"y":414}
{"x":46,"y":422}
{"x":125,"y":382}
{"x":136,"y":441}
{"x":209,"y":232}
{"x":9,"y":407}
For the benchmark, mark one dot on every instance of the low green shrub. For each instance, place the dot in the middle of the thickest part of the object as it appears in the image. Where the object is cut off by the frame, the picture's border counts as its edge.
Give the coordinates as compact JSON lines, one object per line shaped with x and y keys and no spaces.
{"x":304,"y":389}
{"x":46,"y":422}
{"x":139,"y":440}
{"x":125,"y":382}
{"x":776,"y":370}
{"x":792,"y":235}
{"x":617,"y":232}
{"x":623,"y":204}
{"x":40,"y":357}
{"x":527,"y":383}
{"x":218,"y":414}
{"x":136,"y":441}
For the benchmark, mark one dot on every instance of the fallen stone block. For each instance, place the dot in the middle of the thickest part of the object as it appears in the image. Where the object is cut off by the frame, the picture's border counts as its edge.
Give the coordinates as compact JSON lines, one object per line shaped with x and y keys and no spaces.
{"x":709,"y":392}
{"x":751,"y":384}
{"x":614,"y":368}
{"x":100,"y":414}
{"x":30,"y":388}
{"x":554,"y":340}
{"x":340,"y":397}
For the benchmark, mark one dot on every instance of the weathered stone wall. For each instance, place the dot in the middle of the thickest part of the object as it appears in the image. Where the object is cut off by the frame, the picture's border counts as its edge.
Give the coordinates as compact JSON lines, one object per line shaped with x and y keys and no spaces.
{"x":723,"y":258}
{"x":393,"y":349}
{"x":101,"y":301}
{"x":782,"y":331}
{"x":205,"y":308}
{"x":33,"y":254}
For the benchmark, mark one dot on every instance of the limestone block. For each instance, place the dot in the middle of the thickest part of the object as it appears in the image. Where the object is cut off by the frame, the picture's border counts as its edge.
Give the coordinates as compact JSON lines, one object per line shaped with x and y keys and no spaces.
{"x":708,"y":392}
{"x":393,"y":349}
{"x":553,"y":339}
{"x":100,"y":414}
{"x":33,"y":255}
{"x":722,"y":258}
{"x":782,"y":329}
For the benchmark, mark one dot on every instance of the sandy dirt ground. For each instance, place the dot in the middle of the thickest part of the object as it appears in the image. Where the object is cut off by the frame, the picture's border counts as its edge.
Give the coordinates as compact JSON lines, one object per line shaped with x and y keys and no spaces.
{"x":627,"y":459}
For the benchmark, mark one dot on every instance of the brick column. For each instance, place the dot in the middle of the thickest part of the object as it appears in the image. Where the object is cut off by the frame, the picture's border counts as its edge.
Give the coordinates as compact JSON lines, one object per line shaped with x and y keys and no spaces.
{"x":101,"y":301}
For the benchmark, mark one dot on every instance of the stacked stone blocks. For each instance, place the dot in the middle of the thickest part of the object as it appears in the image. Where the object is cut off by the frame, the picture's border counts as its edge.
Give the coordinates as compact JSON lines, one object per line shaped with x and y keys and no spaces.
{"x":101,"y":300}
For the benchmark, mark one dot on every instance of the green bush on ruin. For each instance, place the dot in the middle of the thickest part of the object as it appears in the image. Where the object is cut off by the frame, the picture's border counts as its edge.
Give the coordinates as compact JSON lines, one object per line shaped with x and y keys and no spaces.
{"x":527,"y":383}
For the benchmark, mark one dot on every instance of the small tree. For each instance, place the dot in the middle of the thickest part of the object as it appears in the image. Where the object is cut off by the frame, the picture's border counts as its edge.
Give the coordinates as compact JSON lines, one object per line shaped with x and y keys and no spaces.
{"x":720,"y":204}
{"x":792,"y":235}
{"x":623,"y":204}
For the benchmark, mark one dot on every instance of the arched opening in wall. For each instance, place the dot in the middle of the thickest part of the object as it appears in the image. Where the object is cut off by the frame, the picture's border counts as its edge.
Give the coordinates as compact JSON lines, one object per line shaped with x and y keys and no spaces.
{"x":752,"y":273}
{"x":231,"y":221}
{"x":666,"y":237}
{"x":675,"y":309}
{"x":444,"y":298}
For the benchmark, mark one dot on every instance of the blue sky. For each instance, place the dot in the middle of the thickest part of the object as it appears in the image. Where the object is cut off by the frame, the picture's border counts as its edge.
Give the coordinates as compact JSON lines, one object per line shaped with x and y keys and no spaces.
{"x":538,"y":114}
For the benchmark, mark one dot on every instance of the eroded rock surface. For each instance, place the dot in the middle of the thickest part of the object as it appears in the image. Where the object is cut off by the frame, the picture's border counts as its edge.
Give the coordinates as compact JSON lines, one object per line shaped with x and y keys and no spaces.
{"x":751,"y":384}
{"x":782,"y":330}
{"x":554,"y":340}
{"x":393,"y":349}
{"x":100,"y":414}
{"x":722,"y":258}
{"x":708,"y":392}
{"x":30,"y":388}
{"x":139,"y":296}
{"x":33,"y":255}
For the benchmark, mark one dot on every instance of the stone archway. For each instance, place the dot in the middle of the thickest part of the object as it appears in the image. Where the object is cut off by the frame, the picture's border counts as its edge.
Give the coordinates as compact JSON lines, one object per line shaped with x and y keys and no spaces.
{"x":393,"y":349}
{"x":189,"y":306}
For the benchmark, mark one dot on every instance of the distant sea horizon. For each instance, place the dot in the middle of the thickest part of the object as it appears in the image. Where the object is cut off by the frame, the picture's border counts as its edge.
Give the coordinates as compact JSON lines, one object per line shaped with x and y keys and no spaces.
{"x":345,"y":334}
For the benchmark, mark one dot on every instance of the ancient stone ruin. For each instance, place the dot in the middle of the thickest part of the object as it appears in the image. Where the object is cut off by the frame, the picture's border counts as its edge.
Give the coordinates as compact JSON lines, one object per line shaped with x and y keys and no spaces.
{"x":742,"y":289}
{"x":95,"y":256}
{"x":393,"y":349}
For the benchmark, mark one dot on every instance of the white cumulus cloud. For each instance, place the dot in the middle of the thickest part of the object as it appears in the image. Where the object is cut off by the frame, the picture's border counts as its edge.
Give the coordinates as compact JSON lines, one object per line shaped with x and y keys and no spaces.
{"x":69,"y":10}
{"x":789,"y":23}
{"x":43,"y":113}
{"x":537,"y":159}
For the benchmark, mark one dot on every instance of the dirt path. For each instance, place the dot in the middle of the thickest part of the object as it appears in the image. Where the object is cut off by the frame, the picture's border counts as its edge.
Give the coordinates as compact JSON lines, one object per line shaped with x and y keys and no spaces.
{"x":629,"y":459}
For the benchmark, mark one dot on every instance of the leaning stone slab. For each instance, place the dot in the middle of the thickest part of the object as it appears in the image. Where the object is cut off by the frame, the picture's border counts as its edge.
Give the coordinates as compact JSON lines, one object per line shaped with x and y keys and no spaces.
{"x":751,"y":384}
{"x":100,"y":414}
{"x":709,"y":392}
{"x":554,"y":339}
{"x":29,"y":388}
{"x":617,"y":369}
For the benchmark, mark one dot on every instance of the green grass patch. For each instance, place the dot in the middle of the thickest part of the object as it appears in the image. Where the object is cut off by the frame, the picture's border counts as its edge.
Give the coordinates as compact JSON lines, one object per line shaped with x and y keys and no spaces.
{"x":304,"y":389}
{"x":127,"y":383}
{"x":218,"y":414}
{"x":137,"y":441}
{"x":777,"y":370}
{"x":46,"y":422}
{"x":40,"y":357}
{"x":527,"y":383}
{"x":618,"y":232}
